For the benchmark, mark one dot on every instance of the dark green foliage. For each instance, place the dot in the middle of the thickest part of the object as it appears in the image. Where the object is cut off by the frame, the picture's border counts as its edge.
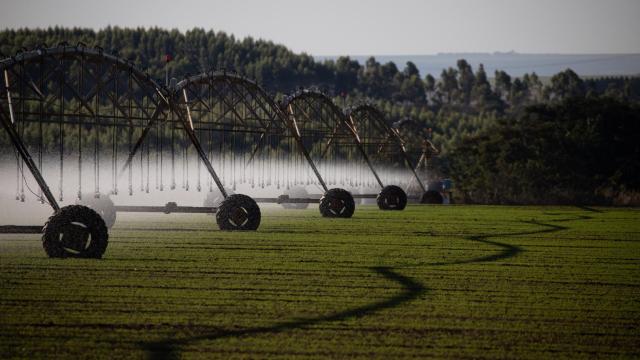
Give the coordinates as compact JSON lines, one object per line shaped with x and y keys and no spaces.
{"x":565,"y":84}
{"x":274,"y":66}
{"x":571,"y":152}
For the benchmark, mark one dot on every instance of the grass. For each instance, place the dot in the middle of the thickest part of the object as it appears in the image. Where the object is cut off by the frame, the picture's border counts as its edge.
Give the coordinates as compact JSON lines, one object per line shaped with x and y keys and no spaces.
{"x":432,"y":281}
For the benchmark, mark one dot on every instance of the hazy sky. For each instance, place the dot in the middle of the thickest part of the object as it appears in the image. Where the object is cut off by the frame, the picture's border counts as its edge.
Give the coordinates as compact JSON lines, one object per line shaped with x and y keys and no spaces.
{"x":352,"y":27}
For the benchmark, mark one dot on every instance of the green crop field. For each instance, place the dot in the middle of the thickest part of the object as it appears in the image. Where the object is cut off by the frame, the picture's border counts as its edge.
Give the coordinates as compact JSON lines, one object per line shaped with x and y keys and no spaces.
{"x":431,"y":281}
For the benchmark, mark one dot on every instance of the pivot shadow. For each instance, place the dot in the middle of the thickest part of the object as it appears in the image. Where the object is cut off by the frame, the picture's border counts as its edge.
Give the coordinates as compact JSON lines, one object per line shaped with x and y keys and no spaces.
{"x":508,"y":250}
{"x":411,"y":289}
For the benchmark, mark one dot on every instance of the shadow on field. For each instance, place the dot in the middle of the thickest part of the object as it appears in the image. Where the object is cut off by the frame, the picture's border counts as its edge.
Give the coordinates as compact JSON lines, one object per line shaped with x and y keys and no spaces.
{"x":587,"y":208}
{"x":411,"y":289}
{"x":508,"y":250}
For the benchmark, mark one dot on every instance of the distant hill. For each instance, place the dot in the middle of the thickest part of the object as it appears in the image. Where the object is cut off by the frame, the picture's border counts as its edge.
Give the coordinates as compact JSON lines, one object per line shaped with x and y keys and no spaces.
{"x":518,"y":64}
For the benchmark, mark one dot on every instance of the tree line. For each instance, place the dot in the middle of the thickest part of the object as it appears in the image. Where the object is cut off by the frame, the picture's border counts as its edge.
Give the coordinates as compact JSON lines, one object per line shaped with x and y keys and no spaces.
{"x":280,"y":70}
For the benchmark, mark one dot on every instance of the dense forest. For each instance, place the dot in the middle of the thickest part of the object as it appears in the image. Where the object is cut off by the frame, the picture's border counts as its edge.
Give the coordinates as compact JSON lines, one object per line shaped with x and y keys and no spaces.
{"x":564,"y":139}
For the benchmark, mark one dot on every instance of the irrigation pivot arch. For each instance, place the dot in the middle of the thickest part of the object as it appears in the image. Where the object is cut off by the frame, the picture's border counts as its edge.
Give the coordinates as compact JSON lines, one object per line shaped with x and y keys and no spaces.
{"x":385,"y":152}
{"x":78,"y":109}
{"x":320,"y":127}
{"x":74,"y":106}
{"x":348,"y":146}
{"x":247,"y":136}
{"x":96,"y":114}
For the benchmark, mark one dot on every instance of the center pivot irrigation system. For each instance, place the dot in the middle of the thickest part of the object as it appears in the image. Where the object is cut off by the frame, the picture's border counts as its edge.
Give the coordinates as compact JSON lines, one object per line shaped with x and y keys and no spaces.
{"x":79,"y":108}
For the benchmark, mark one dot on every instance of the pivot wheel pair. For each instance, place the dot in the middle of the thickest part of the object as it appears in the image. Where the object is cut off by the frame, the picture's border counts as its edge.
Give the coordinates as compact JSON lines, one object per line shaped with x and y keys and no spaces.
{"x":238,"y":212}
{"x":337,"y":203}
{"x":392,"y":198}
{"x":75,"y":231}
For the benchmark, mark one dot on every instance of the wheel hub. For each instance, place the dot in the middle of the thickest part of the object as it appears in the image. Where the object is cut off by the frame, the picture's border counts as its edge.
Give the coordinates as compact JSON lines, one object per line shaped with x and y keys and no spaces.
{"x":75,"y":236}
{"x":336,"y":205}
{"x":239,"y":216}
{"x":393,"y":201}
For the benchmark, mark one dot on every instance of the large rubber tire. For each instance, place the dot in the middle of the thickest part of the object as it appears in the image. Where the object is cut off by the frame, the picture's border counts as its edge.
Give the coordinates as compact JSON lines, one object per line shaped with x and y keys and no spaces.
{"x":357,"y":201}
{"x":296,"y":193}
{"x":337,"y":203}
{"x":75,"y":231}
{"x":103,"y":205}
{"x":238,"y":212}
{"x":392,"y":197}
{"x":432,"y":197}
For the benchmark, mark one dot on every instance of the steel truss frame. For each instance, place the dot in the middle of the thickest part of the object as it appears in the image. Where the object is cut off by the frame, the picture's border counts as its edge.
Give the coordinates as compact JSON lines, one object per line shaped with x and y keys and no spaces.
{"x":49,"y":85}
{"x":316,"y":114}
{"x":377,"y":137}
{"x":85,"y":88}
{"x":243,"y":107}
